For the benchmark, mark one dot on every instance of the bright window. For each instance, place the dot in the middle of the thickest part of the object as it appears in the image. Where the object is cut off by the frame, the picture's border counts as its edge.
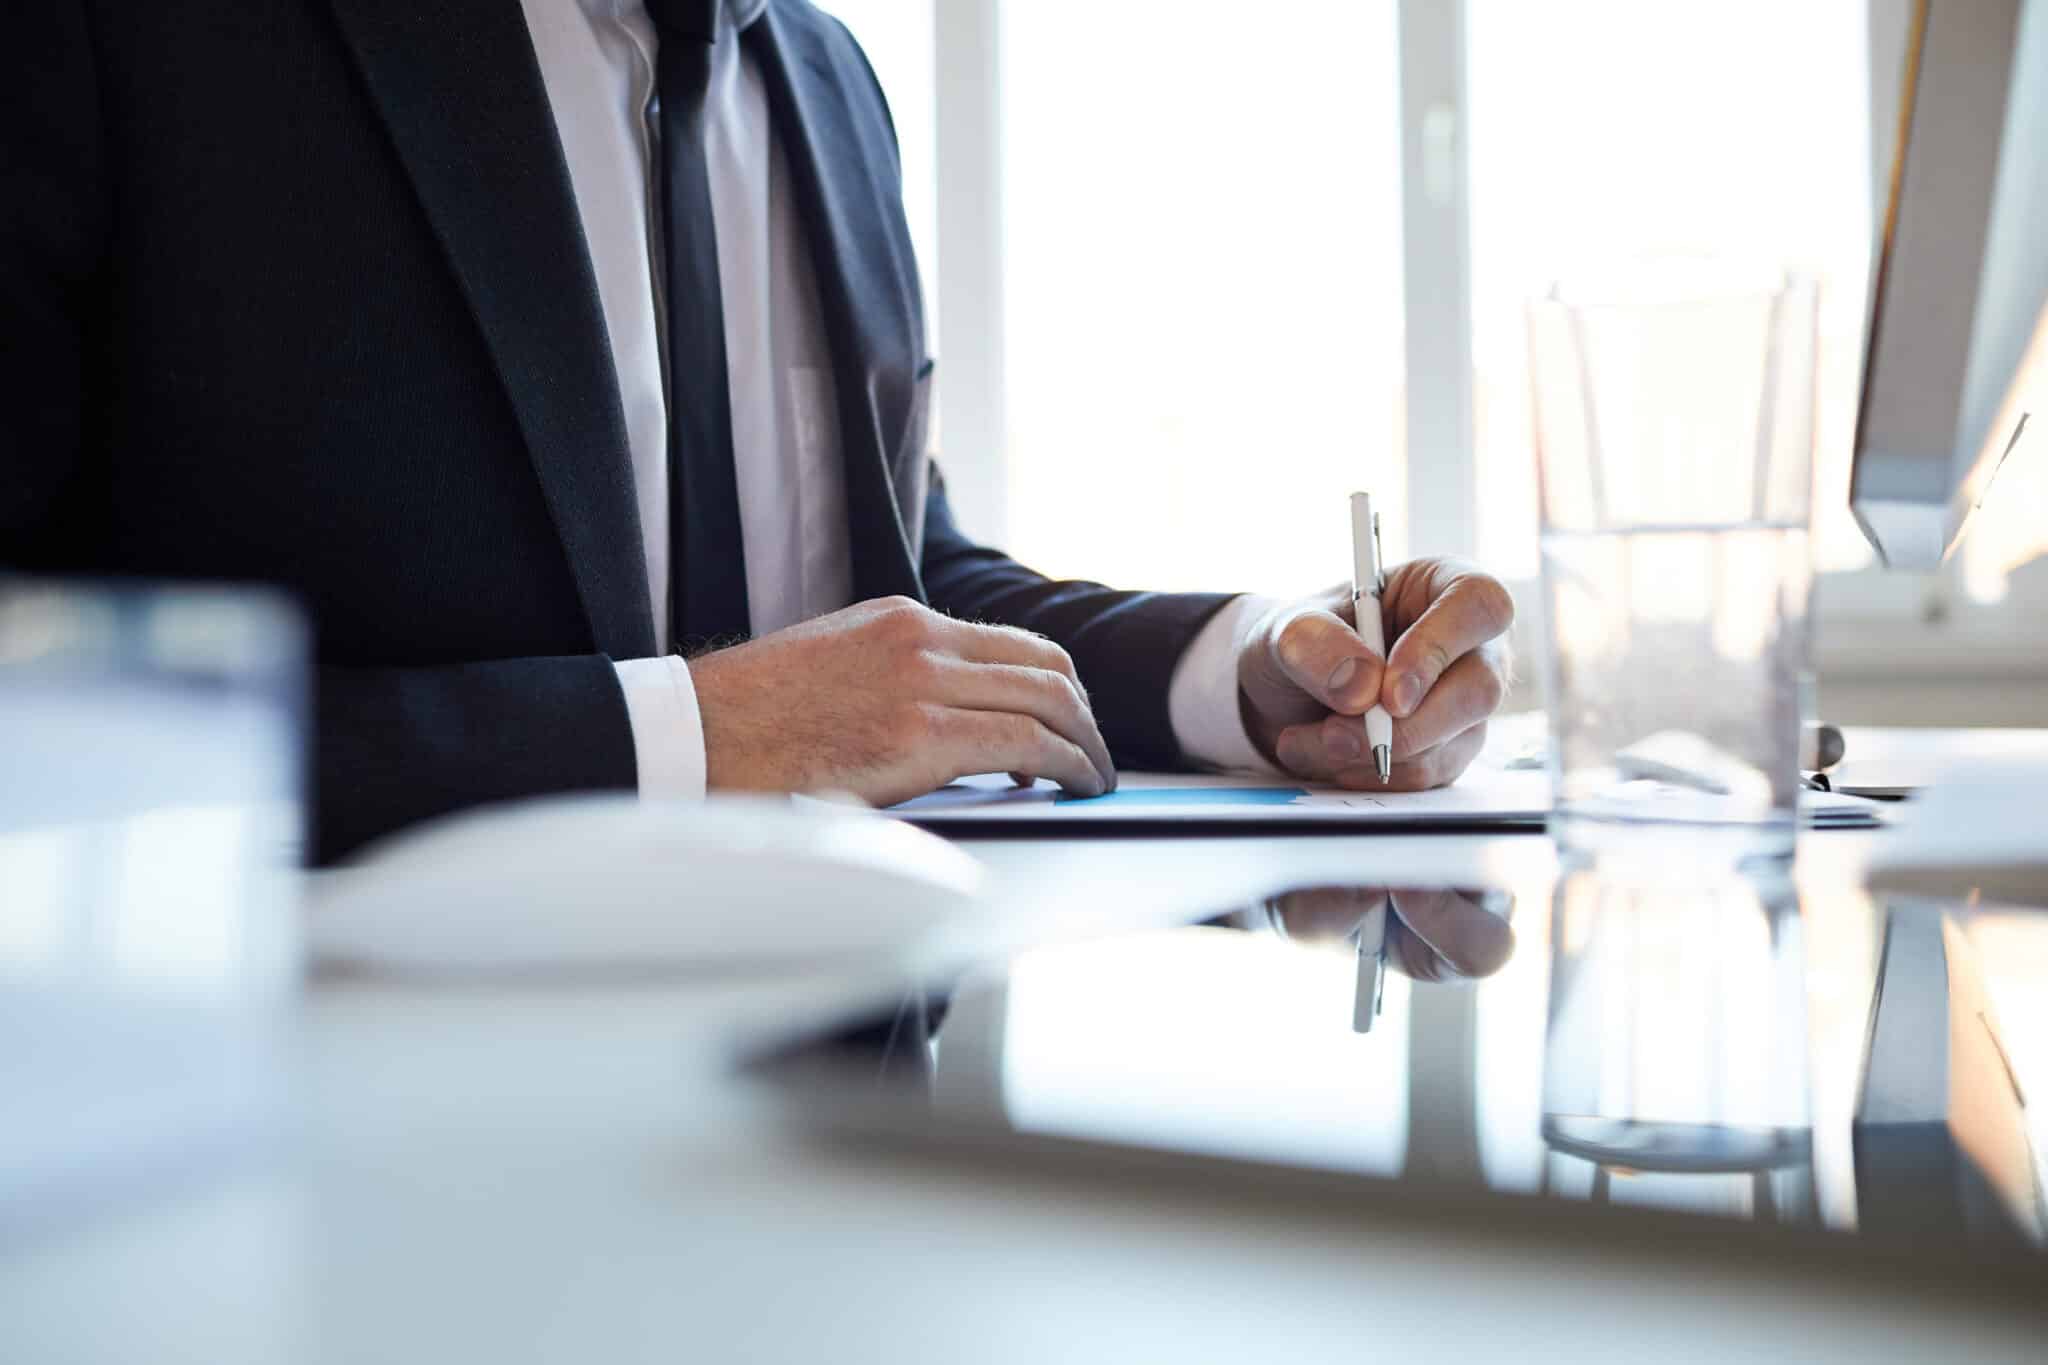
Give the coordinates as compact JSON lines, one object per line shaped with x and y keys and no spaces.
{"x":1609,"y":126}
{"x":1201,"y":278}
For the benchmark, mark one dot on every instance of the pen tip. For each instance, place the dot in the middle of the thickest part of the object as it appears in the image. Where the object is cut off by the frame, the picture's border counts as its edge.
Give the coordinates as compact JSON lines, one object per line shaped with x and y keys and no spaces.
{"x":1383,"y":762}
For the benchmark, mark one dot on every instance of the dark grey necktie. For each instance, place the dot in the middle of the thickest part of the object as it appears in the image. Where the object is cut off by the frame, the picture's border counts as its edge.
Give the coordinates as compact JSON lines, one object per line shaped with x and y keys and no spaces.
{"x":707,"y":559}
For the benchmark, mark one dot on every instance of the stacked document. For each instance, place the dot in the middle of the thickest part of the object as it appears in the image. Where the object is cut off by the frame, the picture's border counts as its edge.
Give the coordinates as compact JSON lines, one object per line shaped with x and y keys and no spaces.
{"x":1487,"y":797}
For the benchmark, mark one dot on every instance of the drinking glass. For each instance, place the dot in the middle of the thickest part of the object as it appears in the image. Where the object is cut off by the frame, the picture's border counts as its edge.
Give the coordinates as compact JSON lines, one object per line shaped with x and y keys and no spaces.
{"x":150,"y":767}
{"x":1673,"y":418}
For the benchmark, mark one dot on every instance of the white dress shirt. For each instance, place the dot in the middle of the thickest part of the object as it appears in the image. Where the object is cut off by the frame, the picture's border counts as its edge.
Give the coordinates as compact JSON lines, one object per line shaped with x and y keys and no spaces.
{"x":597,"y":61}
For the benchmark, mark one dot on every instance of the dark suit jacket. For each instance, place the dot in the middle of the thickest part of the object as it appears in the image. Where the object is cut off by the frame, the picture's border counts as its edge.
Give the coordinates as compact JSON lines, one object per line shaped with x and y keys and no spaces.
{"x":294,"y":291}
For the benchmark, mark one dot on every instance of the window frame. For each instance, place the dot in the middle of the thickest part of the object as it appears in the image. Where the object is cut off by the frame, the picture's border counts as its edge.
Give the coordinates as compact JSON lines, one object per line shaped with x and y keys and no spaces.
{"x":972,"y":413}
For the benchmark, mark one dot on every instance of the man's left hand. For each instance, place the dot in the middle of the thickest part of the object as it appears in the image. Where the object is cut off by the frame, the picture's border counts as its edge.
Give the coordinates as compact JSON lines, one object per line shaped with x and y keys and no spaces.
{"x":1305,"y":678}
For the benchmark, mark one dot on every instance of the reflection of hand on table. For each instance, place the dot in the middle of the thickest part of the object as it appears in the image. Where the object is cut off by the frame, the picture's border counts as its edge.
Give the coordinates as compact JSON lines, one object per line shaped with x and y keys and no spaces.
{"x":1432,"y":934}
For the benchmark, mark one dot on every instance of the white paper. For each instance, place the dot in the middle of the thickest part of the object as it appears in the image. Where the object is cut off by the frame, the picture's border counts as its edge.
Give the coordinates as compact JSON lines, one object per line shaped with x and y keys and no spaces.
{"x":1487,"y":795}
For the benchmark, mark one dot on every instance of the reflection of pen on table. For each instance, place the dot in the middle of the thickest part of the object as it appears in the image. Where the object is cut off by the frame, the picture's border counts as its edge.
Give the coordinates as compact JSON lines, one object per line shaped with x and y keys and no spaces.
{"x":1368,"y":579}
{"x":1372,"y":968}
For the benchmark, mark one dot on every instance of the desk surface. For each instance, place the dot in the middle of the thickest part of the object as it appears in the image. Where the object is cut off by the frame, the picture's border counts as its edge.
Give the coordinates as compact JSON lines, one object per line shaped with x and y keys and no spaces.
{"x":563,"y":1173}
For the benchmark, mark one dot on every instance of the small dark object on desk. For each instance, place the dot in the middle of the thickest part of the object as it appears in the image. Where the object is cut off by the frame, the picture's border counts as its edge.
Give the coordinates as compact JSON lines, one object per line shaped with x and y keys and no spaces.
{"x":1828,"y":747}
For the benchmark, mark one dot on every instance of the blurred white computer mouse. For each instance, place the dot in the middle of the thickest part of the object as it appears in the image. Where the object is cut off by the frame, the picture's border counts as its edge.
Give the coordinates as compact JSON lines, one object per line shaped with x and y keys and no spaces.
{"x":614,"y":883}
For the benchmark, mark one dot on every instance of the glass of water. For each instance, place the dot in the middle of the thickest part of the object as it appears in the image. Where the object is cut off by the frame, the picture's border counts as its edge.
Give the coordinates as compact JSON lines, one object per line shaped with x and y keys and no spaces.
{"x":151,"y":744}
{"x":1673,"y":414}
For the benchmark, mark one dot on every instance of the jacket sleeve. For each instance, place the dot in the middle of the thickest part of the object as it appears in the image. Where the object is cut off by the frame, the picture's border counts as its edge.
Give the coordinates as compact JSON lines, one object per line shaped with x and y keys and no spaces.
{"x":1124,"y":644}
{"x":395,"y":745}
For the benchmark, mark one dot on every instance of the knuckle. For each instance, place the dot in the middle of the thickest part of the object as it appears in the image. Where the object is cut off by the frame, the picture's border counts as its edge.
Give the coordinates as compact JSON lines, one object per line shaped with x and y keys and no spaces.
{"x":1504,"y":663}
{"x":1023,"y":734}
{"x":887,"y":613}
{"x":1059,"y":661}
{"x":1492,"y":601}
{"x":1430,"y":766}
{"x":1493,"y":689}
{"x":1051,"y":689}
{"x":1405,"y":746}
{"x":1435,"y":658}
{"x":920,"y":671}
{"x":1450,"y":760}
{"x":1066,"y":694}
{"x":1293,"y":641}
{"x":906,"y":623}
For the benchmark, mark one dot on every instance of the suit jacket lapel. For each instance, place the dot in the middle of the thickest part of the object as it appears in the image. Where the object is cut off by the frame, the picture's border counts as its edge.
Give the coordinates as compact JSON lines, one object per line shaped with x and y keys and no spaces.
{"x":867,"y":285}
{"x":462,"y":97}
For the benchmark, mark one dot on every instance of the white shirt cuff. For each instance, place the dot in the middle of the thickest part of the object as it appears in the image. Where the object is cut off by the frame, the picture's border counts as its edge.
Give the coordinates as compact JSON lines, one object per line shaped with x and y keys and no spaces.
{"x":1202,"y":701}
{"x":668,"y":730}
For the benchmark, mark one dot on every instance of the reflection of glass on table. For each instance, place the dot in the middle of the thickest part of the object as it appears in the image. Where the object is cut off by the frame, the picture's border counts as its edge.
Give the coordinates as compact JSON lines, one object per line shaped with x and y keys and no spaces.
{"x":1675,"y":1061}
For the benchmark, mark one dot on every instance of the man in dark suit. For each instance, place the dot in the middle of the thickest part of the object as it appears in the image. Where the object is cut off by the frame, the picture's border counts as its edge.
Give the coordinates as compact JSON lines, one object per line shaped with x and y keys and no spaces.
{"x":567,"y":360}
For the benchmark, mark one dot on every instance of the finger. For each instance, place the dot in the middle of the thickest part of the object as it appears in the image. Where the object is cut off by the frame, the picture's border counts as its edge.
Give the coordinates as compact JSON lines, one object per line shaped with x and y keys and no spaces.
{"x":1324,"y":914}
{"x":1320,"y":653}
{"x":1440,"y":933}
{"x":988,"y":644}
{"x":1471,"y":609}
{"x":1321,"y":749}
{"x":1431,"y":768}
{"x":1008,"y":742}
{"x":1468,"y":692}
{"x":1053,"y":699}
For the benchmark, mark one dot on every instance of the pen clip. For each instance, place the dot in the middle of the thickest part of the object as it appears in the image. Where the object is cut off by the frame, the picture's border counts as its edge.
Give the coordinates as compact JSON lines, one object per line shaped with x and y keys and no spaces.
{"x":1379,"y":559}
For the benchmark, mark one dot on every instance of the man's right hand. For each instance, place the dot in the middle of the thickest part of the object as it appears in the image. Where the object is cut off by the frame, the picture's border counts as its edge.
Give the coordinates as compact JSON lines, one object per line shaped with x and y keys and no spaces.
{"x":888,"y":700}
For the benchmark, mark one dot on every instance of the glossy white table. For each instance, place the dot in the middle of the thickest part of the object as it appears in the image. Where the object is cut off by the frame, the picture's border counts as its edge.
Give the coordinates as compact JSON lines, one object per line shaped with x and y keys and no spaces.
{"x":560,"y":1173}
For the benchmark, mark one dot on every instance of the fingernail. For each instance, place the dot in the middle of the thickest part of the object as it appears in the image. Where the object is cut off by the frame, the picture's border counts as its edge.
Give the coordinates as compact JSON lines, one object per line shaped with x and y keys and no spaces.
{"x":1343,"y":746}
{"x":1407,"y":691}
{"x":1341,"y":677}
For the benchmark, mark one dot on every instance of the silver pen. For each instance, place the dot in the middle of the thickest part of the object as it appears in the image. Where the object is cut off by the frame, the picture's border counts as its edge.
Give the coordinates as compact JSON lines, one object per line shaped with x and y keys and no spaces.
{"x":1368,"y":581}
